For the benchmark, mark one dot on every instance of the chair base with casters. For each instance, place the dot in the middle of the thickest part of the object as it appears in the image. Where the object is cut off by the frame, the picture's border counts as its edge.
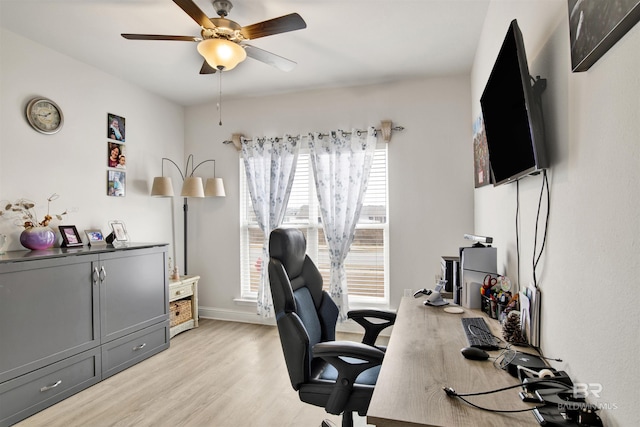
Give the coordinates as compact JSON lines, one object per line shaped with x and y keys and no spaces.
{"x":337,"y":375}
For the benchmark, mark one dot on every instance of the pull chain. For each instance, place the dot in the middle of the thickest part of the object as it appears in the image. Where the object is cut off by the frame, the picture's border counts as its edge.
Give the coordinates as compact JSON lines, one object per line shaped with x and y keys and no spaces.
{"x":220,"y":98}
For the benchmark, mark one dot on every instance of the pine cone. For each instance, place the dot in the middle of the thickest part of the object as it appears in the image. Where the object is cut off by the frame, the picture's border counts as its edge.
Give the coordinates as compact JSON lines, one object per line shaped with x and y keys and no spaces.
{"x":511,"y":331}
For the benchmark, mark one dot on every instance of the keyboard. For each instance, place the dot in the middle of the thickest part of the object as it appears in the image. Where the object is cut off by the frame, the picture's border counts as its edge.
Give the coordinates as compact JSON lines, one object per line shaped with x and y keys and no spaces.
{"x":478,"y":333}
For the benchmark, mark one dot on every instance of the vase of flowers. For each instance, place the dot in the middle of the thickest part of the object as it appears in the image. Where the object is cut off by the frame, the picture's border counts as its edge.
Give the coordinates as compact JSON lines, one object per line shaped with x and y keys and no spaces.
{"x":36,"y":234}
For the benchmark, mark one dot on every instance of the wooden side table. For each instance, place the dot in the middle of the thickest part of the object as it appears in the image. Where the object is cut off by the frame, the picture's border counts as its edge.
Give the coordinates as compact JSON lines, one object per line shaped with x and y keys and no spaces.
{"x":185,"y":289}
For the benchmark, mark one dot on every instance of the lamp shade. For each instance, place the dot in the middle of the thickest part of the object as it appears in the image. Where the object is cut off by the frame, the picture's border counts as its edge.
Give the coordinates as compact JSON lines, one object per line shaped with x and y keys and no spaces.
{"x":221,"y":53}
{"x":192,"y":187}
{"x":214,"y":188}
{"x":162,"y":187}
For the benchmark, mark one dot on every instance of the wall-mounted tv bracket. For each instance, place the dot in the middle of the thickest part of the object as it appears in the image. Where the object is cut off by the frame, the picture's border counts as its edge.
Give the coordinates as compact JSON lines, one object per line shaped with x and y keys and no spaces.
{"x":539,"y":85}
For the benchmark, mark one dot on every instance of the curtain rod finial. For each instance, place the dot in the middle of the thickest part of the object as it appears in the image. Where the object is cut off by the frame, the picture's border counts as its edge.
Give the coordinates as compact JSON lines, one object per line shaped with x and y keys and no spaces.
{"x":235,"y":138}
{"x":386,"y":130}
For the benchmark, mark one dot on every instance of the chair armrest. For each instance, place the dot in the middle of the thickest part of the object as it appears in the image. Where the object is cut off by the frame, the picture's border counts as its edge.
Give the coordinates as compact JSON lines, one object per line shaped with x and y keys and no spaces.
{"x":372,"y":330}
{"x":350,"y":359}
{"x":352,"y":349}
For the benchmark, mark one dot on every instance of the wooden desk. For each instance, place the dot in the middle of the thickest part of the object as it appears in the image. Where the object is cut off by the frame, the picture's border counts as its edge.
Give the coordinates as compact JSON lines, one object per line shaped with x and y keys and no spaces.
{"x":423,"y":356}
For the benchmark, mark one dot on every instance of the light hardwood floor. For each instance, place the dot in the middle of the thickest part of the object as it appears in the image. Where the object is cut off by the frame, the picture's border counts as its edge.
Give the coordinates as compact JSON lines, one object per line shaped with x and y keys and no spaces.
{"x":220,"y":374}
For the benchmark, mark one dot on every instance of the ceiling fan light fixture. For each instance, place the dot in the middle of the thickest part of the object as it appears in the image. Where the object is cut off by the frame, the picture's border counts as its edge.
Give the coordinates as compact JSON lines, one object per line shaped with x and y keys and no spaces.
{"x":221,"y":53}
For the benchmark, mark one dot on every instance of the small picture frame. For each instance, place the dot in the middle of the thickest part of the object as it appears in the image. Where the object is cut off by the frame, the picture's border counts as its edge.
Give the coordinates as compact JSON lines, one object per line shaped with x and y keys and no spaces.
{"x":70,"y":236}
{"x":95,"y":237}
{"x":116,"y":183}
{"x":119,"y":231}
{"x":116,"y":155}
{"x":115,"y":127}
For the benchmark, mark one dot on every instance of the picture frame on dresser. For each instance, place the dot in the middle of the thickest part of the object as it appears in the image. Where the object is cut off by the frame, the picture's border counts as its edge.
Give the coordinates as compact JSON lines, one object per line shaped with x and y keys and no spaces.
{"x":118,"y":235}
{"x":95,"y":237}
{"x":70,"y":236}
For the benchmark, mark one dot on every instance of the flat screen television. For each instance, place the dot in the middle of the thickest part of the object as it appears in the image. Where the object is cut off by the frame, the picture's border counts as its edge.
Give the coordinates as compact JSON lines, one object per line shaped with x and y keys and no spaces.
{"x":512,"y":113}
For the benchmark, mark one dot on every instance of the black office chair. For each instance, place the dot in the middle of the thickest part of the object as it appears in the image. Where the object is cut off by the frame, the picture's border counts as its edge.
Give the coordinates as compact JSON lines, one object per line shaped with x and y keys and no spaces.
{"x":337,"y":375}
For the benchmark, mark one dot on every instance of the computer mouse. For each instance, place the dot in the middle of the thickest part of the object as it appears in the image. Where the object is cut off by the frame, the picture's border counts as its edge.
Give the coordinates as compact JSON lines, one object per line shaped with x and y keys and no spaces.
{"x":474,"y":353}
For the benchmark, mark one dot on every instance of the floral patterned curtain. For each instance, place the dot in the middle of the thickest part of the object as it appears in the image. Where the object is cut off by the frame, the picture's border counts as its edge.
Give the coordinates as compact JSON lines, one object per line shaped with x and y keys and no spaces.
{"x":341,"y":165}
{"x":270,"y":164}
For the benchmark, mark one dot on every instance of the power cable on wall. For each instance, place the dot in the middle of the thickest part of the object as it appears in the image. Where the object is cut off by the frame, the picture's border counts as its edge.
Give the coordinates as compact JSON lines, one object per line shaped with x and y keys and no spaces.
{"x":536,"y":255}
{"x":536,"y":259}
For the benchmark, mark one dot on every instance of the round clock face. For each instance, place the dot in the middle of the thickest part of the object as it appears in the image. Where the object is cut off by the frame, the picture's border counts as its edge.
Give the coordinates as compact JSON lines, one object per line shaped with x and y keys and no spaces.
{"x":44,"y":115}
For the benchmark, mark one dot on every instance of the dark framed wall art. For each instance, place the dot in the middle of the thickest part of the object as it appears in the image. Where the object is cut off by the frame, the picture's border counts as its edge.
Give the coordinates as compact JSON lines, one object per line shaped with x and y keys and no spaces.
{"x":115,"y":127}
{"x":596,"y":25}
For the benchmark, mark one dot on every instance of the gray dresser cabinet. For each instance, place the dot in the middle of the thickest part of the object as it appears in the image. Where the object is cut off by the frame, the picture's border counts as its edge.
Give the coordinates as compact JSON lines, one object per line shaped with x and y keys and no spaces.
{"x":72,"y":317}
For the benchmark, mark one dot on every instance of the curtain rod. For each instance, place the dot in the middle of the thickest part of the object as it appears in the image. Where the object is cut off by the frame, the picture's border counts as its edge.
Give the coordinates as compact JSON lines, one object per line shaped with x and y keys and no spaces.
{"x":385,"y":128}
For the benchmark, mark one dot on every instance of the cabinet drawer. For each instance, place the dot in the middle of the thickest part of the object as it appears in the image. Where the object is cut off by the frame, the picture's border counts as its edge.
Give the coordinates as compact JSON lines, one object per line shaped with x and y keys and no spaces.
{"x":181,"y":291}
{"x":127,"y":351}
{"x":25,"y":395}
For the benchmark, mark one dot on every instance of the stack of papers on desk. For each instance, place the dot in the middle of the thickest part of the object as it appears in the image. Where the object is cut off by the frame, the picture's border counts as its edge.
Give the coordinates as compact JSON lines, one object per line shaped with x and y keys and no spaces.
{"x":530,"y":314}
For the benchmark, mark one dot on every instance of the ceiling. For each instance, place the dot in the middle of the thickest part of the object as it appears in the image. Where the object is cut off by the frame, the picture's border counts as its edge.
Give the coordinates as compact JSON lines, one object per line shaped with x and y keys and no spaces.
{"x":346,"y":42}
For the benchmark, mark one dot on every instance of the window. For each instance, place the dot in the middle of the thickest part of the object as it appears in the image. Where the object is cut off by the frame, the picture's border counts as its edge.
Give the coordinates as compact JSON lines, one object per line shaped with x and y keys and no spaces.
{"x":366,"y":264}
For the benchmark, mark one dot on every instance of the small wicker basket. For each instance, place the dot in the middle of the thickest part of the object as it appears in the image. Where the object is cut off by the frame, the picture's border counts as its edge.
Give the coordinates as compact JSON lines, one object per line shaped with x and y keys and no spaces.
{"x":180,"y":312}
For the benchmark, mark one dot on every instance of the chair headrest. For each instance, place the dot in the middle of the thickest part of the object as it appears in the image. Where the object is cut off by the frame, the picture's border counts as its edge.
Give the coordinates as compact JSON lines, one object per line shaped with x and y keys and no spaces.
{"x":288,"y":246}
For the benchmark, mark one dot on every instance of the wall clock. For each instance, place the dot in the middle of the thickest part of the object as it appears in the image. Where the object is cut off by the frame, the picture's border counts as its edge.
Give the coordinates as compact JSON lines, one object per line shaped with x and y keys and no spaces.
{"x":44,"y":115}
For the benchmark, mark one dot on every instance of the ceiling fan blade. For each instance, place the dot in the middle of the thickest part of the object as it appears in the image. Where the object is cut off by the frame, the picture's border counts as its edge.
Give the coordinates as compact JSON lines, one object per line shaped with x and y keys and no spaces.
{"x":195,"y":13}
{"x":272,"y":59}
{"x":283,"y":24}
{"x":207,"y":69}
{"x":160,"y":37}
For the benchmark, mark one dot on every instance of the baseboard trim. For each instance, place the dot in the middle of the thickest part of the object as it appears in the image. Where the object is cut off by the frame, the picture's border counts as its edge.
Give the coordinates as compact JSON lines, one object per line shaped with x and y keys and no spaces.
{"x":234,"y":316}
{"x":349,"y":326}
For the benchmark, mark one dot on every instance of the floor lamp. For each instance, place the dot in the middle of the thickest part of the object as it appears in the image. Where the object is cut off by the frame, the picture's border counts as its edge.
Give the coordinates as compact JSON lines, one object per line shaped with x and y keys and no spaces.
{"x":191,"y":187}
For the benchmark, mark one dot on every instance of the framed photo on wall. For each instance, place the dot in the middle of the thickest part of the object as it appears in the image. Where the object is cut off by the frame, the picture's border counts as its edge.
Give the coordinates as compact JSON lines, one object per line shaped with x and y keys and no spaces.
{"x":481,"y":166}
{"x":116,"y":155}
{"x":70,"y":236}
{"x":116,"y":183}
{"x":596,"y":25}
{"x":115,"y":127}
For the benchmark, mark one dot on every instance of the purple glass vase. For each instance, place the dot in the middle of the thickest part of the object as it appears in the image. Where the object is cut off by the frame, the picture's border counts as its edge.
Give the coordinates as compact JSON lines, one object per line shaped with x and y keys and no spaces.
{"x":36,"y":238}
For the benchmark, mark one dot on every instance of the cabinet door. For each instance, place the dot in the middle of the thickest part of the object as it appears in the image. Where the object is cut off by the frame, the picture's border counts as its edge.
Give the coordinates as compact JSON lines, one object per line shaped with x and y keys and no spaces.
{"x":48,"y":311}
{"x":134,"y":292}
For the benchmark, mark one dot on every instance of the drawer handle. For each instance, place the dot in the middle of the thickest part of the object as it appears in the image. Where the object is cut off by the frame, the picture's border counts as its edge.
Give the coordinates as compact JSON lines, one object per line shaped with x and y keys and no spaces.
{"x":179,"y":292}
{"x":140,"y":347}
{"x":49,"y":387}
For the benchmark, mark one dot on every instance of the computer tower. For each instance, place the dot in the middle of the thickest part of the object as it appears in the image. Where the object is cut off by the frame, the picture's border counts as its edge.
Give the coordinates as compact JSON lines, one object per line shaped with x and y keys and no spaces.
{"x":475,"y":263}
{"x":450,"y":266}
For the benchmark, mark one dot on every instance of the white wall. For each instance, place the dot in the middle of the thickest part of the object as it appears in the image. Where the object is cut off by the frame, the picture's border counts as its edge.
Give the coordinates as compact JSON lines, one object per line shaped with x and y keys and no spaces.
{"x":73,"y":162}
{"x":430,"y":176}
{"x":589,"y":272}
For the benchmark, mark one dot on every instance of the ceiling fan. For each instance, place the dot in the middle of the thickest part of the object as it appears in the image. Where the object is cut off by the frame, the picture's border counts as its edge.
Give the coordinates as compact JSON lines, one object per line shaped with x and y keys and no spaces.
{"x":223,"y":42}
